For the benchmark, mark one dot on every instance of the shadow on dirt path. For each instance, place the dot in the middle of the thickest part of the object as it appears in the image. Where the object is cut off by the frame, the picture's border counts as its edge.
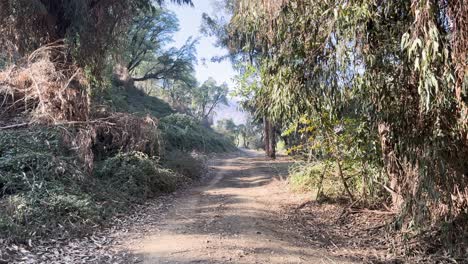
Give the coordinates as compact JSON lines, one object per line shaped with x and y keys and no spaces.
{"x":233,"y":217}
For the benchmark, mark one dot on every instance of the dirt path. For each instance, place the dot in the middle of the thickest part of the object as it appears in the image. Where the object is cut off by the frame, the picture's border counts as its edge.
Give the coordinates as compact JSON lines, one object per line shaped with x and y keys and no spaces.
{"x":234,"y":216}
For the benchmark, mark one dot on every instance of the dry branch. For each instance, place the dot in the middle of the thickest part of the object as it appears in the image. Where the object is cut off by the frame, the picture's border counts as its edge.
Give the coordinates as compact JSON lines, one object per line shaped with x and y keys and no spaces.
{"x":15,"y":126}
{"x":44,"y":87}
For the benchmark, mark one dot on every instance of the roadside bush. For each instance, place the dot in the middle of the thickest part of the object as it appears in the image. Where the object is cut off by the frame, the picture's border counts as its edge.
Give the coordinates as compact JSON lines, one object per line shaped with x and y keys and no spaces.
{"x":130,"y":99}
{"x":321,"y":178}
{"x":35,"y":157}
{"x":135,"y":176}
{"x":48,"y":210}
{"x":185,"y":133}
{"x":316,"y":177}
{"x":40,"y":185}
{"x":188,"y":164}
{"x":43,"y":188}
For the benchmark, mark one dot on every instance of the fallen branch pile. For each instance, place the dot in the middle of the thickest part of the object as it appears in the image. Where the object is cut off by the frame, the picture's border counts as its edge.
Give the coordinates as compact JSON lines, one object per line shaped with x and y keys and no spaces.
{"x":44,"y":87}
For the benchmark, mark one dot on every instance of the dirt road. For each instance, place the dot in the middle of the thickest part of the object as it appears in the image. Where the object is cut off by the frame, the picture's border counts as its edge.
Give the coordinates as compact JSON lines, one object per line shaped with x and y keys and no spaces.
{"x":234,"y":216}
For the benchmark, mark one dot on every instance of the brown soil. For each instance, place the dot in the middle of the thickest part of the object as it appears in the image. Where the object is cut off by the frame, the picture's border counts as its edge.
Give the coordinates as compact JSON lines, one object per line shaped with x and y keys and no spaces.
{"x":241,"y":212}
{"x":237,"y":215}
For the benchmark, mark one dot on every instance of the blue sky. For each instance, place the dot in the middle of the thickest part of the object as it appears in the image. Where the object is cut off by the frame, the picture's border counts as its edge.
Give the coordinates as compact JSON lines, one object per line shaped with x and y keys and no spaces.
{"x":190,"y":20}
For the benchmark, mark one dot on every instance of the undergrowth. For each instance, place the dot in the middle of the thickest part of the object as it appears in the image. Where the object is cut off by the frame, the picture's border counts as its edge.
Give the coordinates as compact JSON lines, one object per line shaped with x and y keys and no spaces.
{"x":314,"y":177}
{"x":137,"y":176}
{"x":60,"y":181}
{"x":46,"y":192}
{"x":191,"y":165}
{"x":40,"y":179}
{"x":130,"y":99}
{"x":185,"y":133}
{"x":322,"y":179}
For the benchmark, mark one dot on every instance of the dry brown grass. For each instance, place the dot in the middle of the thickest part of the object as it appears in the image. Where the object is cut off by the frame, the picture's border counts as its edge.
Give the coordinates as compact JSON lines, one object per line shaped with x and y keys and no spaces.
{"x":44,"y":87}
{"x":47,"y":88}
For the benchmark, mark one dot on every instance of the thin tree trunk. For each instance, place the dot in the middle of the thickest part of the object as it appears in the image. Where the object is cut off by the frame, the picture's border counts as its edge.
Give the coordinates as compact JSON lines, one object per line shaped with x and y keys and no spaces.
{"x":266,"y":137}
{"x":320,"y":183}
{"x":391,"y":166}
{"x":364,"y":180}
{"x":272,"y":147}
{"x":343,"y":180}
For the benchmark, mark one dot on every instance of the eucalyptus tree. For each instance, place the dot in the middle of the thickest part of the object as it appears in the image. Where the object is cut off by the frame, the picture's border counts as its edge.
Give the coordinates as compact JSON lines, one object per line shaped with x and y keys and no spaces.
{"x":397,"y":68}
{"x":149,"y":33}
{"x":207,"y":97}
{"x":180,"y":93}
{"x":247,"y":60}
{"x":172,"y":64}
{"x":230,"y":129}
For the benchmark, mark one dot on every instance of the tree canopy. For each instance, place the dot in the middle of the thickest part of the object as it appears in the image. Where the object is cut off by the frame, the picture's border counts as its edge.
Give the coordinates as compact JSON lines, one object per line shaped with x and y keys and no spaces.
{"x":89,"y":27}
{"x":390,"y":74}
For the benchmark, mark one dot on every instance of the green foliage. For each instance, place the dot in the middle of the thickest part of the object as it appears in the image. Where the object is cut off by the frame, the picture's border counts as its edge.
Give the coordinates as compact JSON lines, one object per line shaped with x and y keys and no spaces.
{"x":248,"y":84}
{"x":149,"y":33}
{"x":185,"y":133}
{"x":89,"y":27}
{"x":228,"y":128}
{"x":130,"y":99}
{"x":190,"y":165}
{"x":252,"y":134}
{"x":41,"y":186}
{"x":136,"y":176}
{"x":147,"y":57}
{"x":33,"y":158}
{"x":173,"y":64}
{"x":384,"y":71}
{"x":179,"y":93}
{"x":44,"y":212}
{"x":322,"y":178}
{"x":306,"y":177}
{"x":207,"y":97}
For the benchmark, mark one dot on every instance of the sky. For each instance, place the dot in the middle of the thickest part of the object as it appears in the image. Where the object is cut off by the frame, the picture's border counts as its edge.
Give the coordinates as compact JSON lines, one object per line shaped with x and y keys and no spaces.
{"x":190,"y":20}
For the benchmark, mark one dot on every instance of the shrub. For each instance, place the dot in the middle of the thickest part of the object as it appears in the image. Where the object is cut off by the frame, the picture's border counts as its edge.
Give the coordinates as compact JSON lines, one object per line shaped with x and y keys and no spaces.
{"x":187,"y":164}
{"x":34,"y":158}
{"x":40,"y":185}
{"x":135,"y":176}
{"x":318,"y":177}
{"x":130,"y":99}
{"x":44,"y":189}
{"x":185,"y":133}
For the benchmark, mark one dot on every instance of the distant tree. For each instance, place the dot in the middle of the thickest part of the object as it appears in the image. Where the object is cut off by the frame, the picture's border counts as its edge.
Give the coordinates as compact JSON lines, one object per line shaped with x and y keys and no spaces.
{"x":173,"y":64}
{"x":229,"y":128}
{"x":207,"y":97}
{"x":179,"y":93}
{"x":149,"y":33}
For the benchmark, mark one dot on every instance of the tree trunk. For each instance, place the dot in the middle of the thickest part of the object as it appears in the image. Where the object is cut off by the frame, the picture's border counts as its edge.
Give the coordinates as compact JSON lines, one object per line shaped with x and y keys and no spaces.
{"x":343,"y":180}
{"x":320,"y":183}
{"x":364,"y":180}
{"x":272,"y":142}
{"x":266,"y":136}
{"x":244,"y":140}
{"x":391,"y":166}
